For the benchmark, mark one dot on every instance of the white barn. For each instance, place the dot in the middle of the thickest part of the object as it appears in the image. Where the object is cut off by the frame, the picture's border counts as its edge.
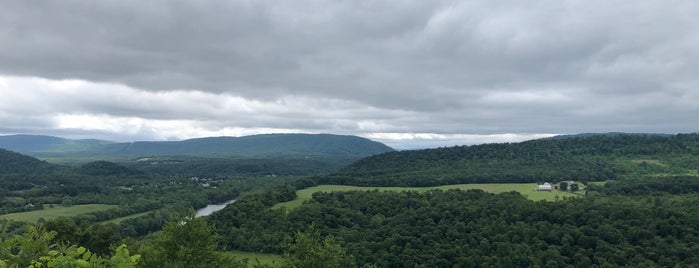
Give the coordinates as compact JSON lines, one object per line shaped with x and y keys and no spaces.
{"x":544,"y":187}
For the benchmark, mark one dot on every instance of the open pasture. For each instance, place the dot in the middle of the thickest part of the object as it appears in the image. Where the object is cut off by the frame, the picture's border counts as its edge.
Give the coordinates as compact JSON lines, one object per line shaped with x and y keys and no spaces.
{"x":55,"y":212}
{"x":526,"y":189}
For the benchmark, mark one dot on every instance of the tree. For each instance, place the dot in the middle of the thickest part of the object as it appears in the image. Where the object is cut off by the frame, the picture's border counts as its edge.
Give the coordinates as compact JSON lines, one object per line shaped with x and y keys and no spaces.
{"x":310,"y":250}
{"x":564,"y":186}
{"x":189,"y":242}
{"x":574,"y":187}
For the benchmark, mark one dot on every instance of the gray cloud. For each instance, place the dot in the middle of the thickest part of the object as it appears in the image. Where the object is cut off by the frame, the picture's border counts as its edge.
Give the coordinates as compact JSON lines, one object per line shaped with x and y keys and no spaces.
{"x":449,"y":67}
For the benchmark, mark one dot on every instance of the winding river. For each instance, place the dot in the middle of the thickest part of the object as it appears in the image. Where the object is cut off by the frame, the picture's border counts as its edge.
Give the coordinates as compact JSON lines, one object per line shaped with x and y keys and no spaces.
{"x":206,"y":211}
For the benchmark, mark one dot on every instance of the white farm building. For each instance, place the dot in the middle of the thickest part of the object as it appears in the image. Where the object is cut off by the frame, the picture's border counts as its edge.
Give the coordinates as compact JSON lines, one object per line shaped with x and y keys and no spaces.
{"x":544,"y":187}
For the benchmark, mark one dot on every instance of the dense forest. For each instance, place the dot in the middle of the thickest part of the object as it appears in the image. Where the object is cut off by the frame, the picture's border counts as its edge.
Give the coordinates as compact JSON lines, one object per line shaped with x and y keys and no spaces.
{"x":478,"y":229}
{"x":18,"y":163}
{"x":588,"y":158}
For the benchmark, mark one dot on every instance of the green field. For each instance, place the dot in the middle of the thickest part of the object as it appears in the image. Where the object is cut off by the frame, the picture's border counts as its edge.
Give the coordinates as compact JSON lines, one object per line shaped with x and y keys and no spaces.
{"x":55,"y":212}
{"x":526,"y":189}
{"x":264,"y":258}
{"x":120,"y":219}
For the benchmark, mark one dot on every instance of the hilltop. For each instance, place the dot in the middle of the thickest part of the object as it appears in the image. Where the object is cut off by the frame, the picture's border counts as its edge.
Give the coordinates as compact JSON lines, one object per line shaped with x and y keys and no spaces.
{"x":586,"y":158}
{"x":255,"y":146}
{"x":12,"y":162}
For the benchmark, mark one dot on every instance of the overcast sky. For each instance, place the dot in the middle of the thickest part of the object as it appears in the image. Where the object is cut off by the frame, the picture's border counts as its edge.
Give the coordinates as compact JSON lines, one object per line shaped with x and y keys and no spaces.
{"x":407,"y":73}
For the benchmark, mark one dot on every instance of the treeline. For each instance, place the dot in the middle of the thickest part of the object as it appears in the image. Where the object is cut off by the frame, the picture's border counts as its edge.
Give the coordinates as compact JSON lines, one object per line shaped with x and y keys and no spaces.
{"x":652,"y":186}
{"x":477,"y":229}
{"x":590,"y":158}
{"x":199,"y":166}
{"x":105,"y":168}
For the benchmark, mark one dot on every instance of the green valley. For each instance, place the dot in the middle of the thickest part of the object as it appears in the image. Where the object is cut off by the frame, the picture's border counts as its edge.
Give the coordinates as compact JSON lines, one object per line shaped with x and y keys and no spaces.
{"x":615,"y":200}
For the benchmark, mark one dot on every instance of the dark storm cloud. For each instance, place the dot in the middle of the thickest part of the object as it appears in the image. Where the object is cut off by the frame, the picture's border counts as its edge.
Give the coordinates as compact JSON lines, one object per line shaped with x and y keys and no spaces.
{"x":389,"y":66}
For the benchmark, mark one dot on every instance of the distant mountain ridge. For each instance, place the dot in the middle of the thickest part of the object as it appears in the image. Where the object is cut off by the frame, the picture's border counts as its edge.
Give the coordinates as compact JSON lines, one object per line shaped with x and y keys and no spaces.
{"x":261,"y":146}
{"x":39,"y":143}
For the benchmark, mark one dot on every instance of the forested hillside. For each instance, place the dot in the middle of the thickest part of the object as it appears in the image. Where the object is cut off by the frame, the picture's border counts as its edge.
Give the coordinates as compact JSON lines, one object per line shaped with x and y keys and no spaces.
{"x":643,"y":216}
{"x":455,"y":228}
{"x":255,"y":146}
{"x":202,"y":166}
{"x":587,"y":158}
{"x":11,"y":162}
{"x":105,"y":168}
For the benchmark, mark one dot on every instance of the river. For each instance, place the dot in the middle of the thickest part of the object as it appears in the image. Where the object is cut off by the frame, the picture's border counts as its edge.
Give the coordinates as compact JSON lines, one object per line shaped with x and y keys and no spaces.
{"x":206,"y":211}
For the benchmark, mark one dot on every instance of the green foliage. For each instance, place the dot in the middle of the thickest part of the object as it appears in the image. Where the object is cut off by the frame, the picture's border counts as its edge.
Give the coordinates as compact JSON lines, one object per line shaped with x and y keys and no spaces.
{"x":309,"y":250}
{"x":593,"y":158}
{"x":11,"y":162}
{"x":105,"y":168}
{"x":652,"y":185}
{"x":255,"y":259}
{"x":188,"y":243}
{"x":211,"y":166}
{"x":563,"y":186}
{"x":470,"y":228}
{"x":242,"y":224}
{"x":574,"y":187}
{"x":35,"y":248}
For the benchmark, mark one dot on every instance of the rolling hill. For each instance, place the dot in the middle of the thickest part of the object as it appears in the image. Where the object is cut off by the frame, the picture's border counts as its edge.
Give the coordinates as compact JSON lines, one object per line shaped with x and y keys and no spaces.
{"x":255,"y":146}
{"x":12,"y":162}
{"x":584,"y":158}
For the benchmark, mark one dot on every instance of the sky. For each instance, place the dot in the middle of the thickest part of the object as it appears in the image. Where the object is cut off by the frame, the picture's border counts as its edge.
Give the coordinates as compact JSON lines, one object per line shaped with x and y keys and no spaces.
{"x":411,"y":74}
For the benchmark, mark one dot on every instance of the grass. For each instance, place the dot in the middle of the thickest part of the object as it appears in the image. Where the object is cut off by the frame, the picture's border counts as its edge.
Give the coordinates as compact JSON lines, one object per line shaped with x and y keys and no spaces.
{"x":264,"y":258}
{"x":55,"y":212}
{"x":649,"y":162}
{"x":526,"y":189}
{"x":120,"y":219}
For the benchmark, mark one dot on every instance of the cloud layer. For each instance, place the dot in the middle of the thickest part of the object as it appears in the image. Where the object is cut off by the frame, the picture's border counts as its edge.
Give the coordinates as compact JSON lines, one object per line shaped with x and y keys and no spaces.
{"x":445,"y":71}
